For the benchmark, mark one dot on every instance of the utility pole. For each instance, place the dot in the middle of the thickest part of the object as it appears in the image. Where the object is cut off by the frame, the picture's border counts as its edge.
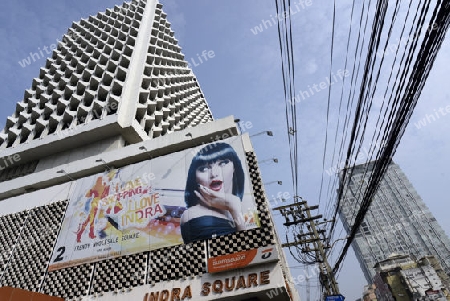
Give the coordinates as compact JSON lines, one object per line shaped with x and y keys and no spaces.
{"x":309,"y":240}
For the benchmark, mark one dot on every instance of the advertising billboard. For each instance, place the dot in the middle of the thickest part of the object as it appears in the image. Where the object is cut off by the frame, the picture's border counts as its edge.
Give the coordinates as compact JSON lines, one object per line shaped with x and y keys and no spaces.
{"x":195,"y":194}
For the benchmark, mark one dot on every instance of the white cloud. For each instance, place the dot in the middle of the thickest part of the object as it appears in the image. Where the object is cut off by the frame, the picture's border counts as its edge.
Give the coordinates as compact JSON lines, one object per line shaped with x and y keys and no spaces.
{"x":311,"y":66}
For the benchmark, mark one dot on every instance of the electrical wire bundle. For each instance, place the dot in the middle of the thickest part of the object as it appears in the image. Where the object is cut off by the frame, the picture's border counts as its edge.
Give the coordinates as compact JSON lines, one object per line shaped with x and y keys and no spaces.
{"x":288,"y":72}
{"x":402,"y":99}
{"x":378,"y":100}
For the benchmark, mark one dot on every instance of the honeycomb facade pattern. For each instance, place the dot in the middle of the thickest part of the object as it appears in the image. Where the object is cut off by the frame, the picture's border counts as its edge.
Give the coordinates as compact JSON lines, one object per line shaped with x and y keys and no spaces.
{"x":86,"y":76}
{"x":170,"y":98}
{"x":28,"y":237}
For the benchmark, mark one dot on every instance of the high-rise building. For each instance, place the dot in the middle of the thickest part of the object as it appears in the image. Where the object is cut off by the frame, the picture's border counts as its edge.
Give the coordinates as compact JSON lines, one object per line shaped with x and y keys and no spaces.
{"x":116,"y":183}
{"x":398,"y":221}
{"x":119,"y":76}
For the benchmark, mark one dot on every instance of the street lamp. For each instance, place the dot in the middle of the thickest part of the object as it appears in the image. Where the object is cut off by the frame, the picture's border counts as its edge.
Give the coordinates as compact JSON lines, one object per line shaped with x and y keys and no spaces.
{"x":66,"y":174}
{"x":268,"y":133}
{"x":275,"y":160}
{"x":104,"y":163}
{"x":237,"y":121}
{"x":271,"y":182}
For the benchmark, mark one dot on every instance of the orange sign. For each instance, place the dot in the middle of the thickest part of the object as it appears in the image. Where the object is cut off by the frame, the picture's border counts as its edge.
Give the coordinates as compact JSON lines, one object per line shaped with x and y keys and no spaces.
{"x":242,"y":259}
{"x":15,"y":294}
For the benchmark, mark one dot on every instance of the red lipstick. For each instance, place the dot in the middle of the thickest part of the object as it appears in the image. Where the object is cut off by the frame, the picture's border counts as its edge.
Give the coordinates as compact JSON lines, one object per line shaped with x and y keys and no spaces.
{"x":216,"y":185}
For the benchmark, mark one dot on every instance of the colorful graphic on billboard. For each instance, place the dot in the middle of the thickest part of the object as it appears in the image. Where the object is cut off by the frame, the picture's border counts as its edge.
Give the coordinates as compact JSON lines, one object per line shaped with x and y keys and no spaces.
{"x":186,"y":196}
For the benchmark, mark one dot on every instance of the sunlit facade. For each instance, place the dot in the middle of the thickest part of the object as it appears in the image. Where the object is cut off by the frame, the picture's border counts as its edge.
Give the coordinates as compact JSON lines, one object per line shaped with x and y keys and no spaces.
{"x":94,"y":172}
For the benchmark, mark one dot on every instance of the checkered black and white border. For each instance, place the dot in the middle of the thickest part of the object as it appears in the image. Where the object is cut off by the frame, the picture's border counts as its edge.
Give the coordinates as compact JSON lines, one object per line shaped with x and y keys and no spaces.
{"x":37,"y":231}
{"x":251,"y":239}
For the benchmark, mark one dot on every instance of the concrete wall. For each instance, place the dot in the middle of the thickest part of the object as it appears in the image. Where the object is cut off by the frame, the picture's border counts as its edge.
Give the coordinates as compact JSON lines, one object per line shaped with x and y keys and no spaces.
{"x":89,"y":150}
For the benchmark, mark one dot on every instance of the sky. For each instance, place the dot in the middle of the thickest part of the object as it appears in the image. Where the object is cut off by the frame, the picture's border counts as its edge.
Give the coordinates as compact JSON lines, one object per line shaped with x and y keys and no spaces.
{"x":242,"y":77}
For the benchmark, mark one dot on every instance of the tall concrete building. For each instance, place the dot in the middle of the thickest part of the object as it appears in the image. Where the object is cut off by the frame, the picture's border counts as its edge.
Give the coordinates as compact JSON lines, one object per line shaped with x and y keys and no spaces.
{"x":398,"y":221}
{"x":117,"y":184}
{"x":119,"y":76}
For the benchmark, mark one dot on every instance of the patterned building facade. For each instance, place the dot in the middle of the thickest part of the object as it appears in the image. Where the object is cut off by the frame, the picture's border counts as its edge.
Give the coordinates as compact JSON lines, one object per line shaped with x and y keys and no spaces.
{"x":117,"y":92}
{"x":119,"y":75}
{"x":29,"y":236}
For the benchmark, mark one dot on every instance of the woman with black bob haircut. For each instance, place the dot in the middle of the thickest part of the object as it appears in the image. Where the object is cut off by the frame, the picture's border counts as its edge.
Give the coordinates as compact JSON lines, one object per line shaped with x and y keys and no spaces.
{"x":213,"y":194}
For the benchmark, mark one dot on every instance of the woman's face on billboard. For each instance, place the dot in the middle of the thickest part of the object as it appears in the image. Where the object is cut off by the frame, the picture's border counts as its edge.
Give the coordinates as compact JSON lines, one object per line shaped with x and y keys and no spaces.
{"x":217,"y":176}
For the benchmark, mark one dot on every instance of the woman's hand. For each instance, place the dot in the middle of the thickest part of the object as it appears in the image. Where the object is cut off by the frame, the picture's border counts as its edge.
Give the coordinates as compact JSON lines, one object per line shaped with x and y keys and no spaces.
{"x":222,"y":201}
{"x":218,"y":200}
